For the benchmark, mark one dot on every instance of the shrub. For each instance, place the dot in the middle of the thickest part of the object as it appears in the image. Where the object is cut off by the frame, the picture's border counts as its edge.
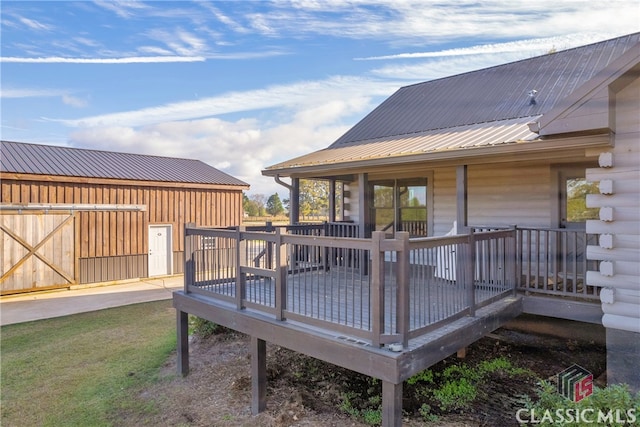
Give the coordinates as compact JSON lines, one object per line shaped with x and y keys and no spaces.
{"x":617,"y":404}
{"x":204,"y":328}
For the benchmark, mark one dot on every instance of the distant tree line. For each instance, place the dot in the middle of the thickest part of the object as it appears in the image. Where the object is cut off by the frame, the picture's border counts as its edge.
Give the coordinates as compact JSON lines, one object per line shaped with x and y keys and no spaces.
{"x":260,"y":205}
{"x":314,"y":201}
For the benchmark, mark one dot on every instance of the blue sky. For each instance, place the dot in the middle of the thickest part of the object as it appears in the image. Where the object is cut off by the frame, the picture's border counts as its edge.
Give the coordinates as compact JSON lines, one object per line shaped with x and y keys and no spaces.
{"x":242,"y":85}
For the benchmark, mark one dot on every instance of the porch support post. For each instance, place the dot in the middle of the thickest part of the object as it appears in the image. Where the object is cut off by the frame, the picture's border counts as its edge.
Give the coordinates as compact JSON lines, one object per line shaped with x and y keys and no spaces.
{"x":294,"y":201}
{"x":363,"y":217}
{"x":183,"y":342}
{"x":391,"y":404}
{"x":363,"y":205}
{"x":332,"y":200}
{"x":461,"y":199}
{"x":258,"y":375}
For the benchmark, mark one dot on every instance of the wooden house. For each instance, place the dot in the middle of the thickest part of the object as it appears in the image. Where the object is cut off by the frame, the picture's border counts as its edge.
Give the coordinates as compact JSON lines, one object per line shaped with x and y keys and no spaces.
{"x":74,"y":216}
{"x":463,"y":202}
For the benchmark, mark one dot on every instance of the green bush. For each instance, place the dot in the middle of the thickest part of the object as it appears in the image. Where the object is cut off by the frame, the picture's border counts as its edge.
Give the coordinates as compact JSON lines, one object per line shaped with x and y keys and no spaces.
{"x":455,"y":394}
{"x":204,"y":328}
{"x":611,"y":406}
{"x":456,"y":387}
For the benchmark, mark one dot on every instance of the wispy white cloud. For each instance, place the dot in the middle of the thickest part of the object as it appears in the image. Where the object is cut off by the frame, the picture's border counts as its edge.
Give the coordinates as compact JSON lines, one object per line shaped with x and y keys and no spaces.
{"x":530,"y":46}
{"x":183,"y":43}
{"x":86,"y":41}
{"x":122,"y":8}
{"x":74,"y":101}
{"x":128,"y":60}
{"x":225,"y":19}
{"x":242,"y":147}
{"x":419,"y":23}
{"x":277,"y":96}
{"x":8,"y":92}
{"x":35,"y":25}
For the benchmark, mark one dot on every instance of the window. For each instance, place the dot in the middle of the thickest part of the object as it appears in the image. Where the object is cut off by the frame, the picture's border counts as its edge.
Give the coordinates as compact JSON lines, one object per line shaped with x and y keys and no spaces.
{"x":400,"y":205}
{"x":576,"y":203}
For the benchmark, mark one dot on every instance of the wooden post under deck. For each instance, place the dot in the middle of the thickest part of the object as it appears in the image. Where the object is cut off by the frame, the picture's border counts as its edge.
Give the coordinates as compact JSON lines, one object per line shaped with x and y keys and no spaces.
{"x":183,"y":342}
{"x":258,"y":375}
{"x":391,"y":404}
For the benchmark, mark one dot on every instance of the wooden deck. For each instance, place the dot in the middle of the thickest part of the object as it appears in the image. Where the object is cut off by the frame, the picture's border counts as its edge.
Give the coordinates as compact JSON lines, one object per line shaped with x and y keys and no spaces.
{"x":387,"y":308}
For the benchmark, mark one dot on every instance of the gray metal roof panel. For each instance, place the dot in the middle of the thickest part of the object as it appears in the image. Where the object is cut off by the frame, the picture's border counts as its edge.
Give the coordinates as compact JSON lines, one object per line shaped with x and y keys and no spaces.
{"x":436,"y":141}
{"x":75,"y":162}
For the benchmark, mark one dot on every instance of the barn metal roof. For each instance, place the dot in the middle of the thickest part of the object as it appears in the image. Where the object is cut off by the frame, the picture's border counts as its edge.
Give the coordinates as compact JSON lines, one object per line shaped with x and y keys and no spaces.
{"x":18,"y":157}
{"x":487,"y":107}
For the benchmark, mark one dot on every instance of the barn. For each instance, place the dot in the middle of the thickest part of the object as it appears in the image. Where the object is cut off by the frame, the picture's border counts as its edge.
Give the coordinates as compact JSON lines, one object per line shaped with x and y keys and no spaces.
{"x":72,"y":216}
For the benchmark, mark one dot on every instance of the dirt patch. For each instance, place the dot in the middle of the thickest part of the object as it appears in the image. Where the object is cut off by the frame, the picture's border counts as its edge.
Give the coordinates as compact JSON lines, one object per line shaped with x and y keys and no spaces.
{"x":306,"y":392}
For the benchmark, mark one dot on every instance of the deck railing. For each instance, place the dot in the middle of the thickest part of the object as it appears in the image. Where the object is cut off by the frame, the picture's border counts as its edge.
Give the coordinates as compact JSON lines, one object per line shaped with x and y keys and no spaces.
{"x":377,"y":290}
{"x":554,"y":262}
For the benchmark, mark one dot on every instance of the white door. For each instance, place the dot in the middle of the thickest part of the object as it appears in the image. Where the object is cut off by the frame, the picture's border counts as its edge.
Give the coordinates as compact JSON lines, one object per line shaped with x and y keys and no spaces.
{"x":160,"y":252}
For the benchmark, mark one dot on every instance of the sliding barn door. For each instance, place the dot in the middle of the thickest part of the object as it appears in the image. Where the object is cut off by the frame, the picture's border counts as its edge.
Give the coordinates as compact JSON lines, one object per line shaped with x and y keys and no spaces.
{"x":38,"y":251}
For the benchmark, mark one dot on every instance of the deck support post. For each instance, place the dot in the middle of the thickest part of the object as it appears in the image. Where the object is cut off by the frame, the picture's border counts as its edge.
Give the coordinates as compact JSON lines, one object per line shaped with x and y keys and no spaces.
{"x":183,"y":342}
{"x":258,"y":375}
{"x":391,"y":404}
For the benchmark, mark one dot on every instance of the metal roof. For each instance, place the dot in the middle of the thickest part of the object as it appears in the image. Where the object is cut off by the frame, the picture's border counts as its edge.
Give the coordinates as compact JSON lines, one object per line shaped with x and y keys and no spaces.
{"x":491,"y":106}
{"x":17,"y":157}
{"x":438,"y":141}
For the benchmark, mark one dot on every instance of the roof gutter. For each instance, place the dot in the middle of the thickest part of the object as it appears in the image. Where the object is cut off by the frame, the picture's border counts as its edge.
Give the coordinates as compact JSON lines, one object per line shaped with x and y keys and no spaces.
{"x":284,"y":184}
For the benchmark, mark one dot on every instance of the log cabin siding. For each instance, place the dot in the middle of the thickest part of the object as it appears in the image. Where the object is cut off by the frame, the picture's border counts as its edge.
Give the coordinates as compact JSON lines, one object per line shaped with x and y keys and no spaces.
{"x":619,"y":269}
{"x":113,"y":245}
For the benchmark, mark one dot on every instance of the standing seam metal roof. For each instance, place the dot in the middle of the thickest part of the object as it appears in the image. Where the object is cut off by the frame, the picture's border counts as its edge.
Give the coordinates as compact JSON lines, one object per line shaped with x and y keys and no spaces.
{"x":17,"y":157}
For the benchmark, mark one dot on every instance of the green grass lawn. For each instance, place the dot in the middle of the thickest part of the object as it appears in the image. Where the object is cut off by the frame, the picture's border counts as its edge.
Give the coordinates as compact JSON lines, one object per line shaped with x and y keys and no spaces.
{"x":84,"y":369}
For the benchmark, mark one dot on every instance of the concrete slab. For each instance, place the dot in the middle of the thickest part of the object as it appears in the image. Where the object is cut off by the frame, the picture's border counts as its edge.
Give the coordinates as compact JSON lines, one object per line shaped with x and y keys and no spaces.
{"x":45,"y":305}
